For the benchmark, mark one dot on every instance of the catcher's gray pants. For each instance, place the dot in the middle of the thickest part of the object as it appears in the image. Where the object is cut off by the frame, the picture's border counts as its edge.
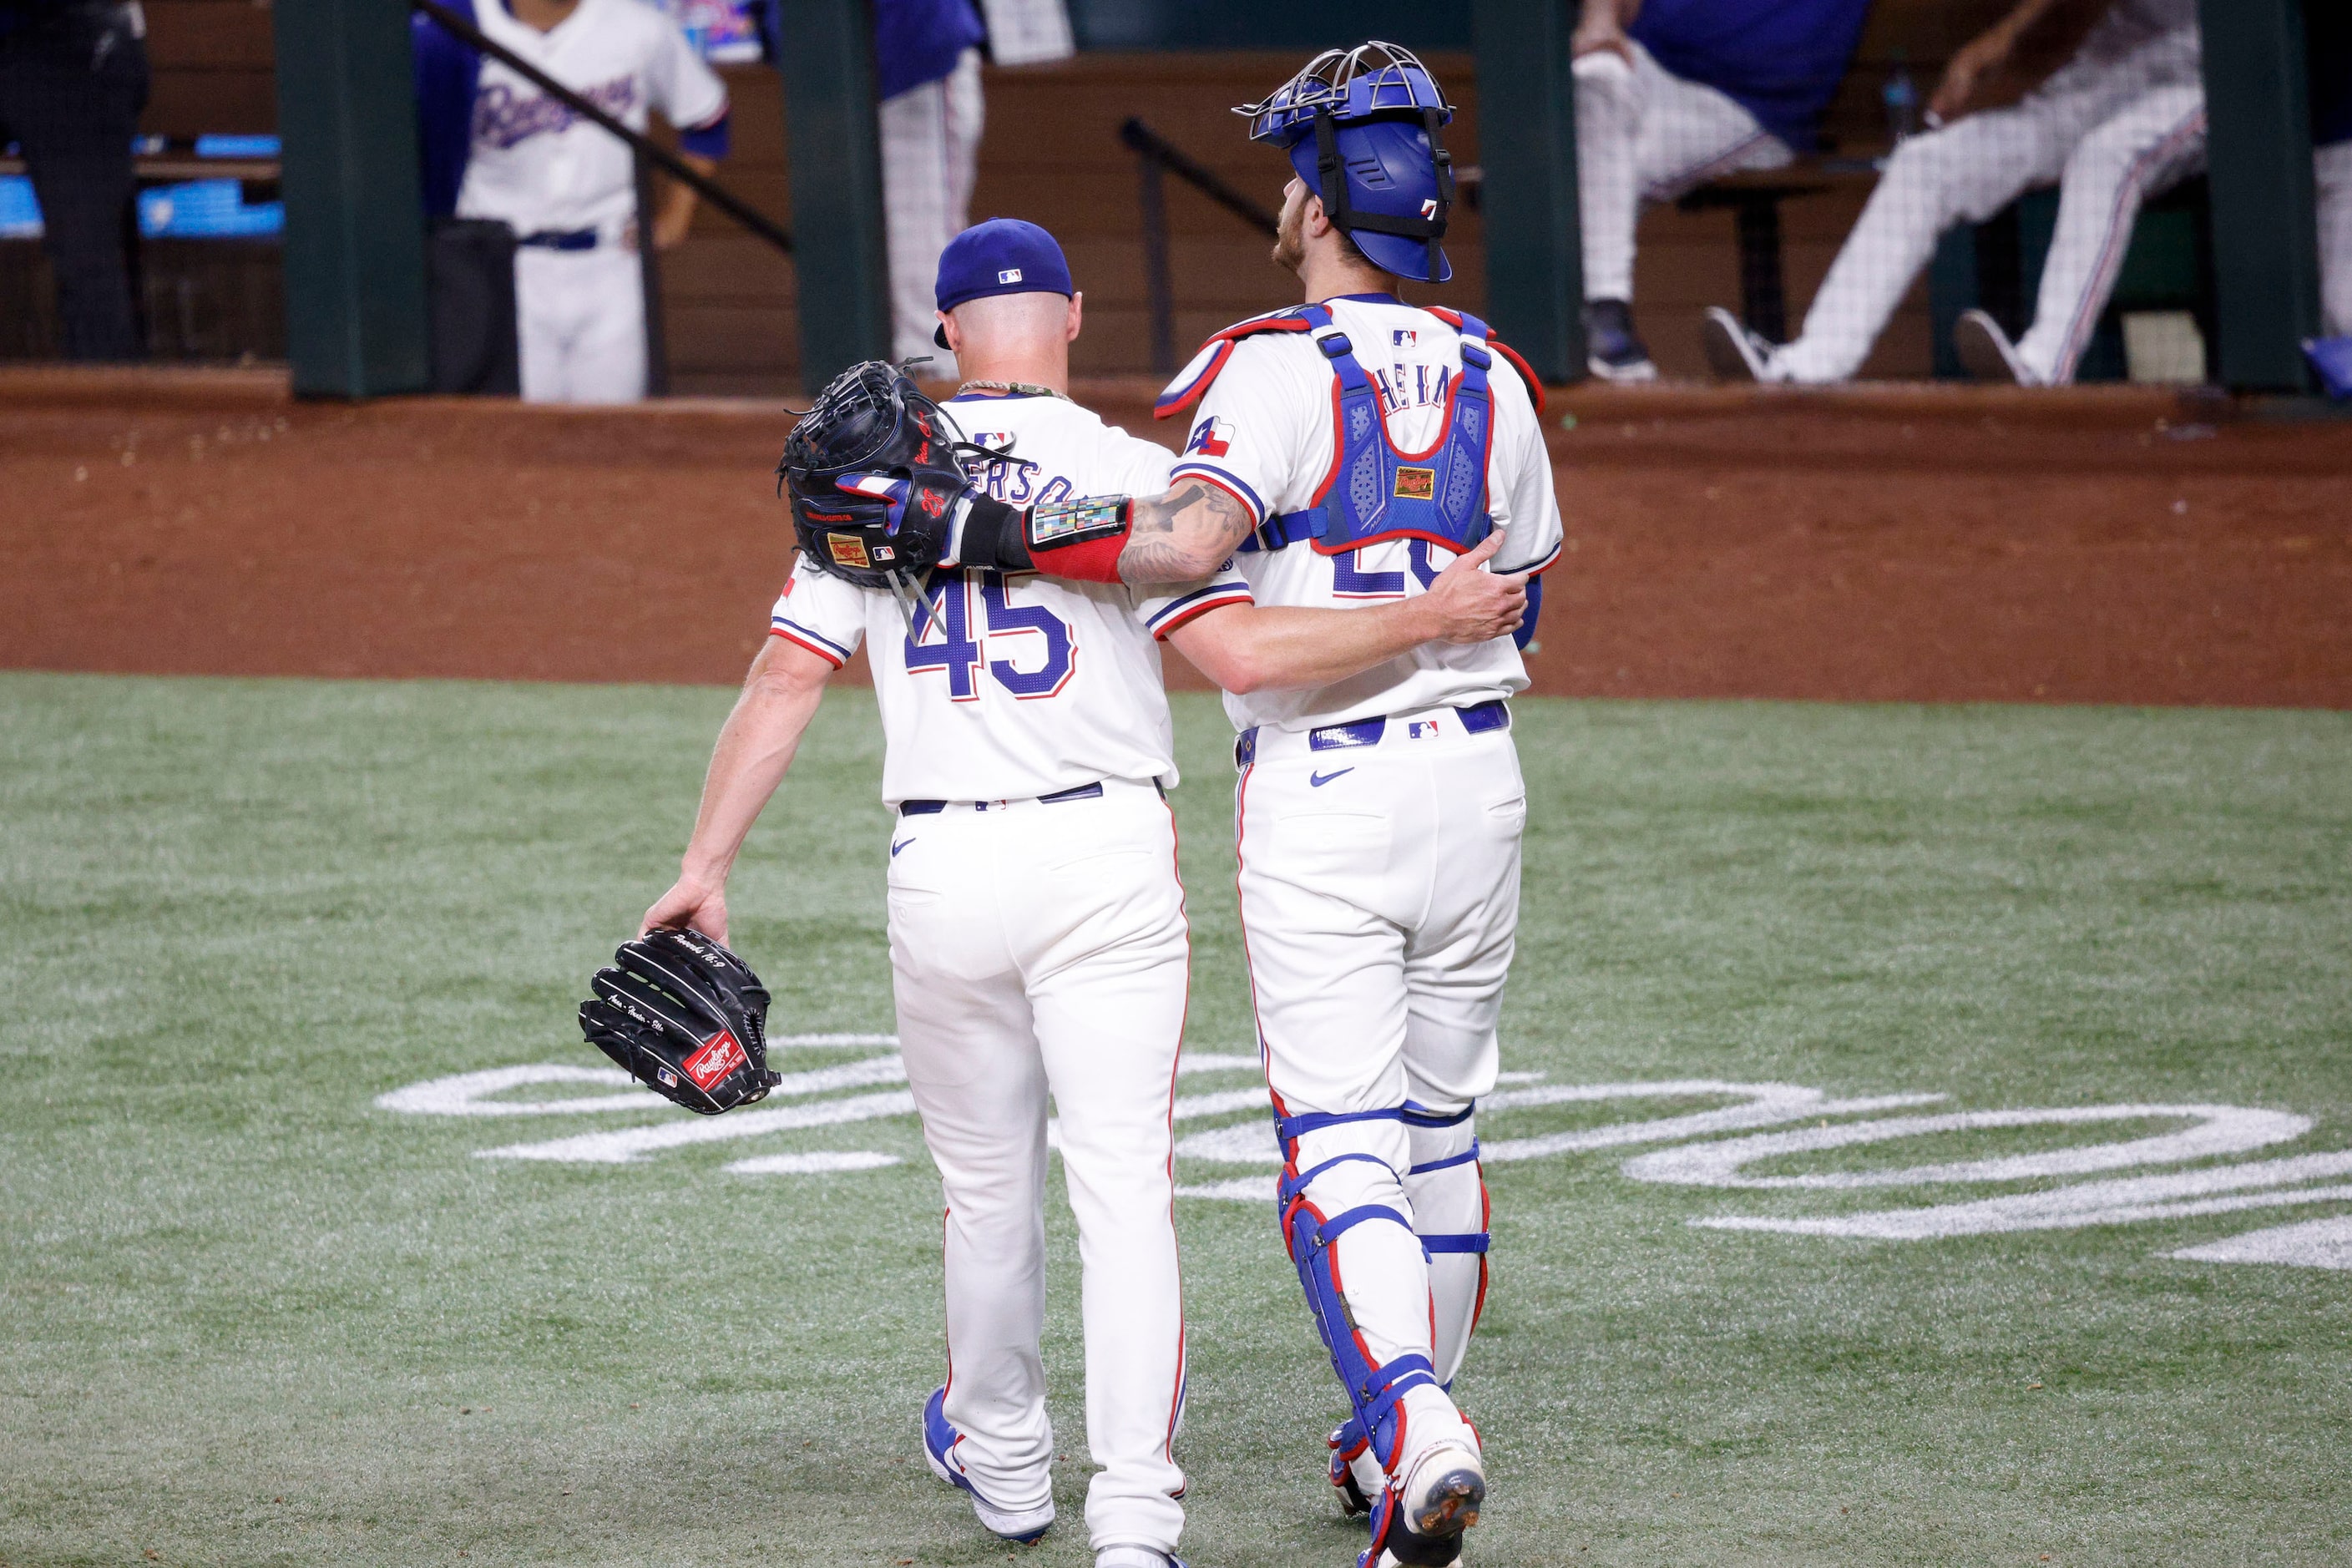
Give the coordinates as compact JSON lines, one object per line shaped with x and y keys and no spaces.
{"x":1041,"y":948}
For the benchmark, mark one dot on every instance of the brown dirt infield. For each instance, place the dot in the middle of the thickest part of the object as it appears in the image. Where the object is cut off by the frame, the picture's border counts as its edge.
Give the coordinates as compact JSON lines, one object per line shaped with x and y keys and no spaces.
{"x":1902,"y":543}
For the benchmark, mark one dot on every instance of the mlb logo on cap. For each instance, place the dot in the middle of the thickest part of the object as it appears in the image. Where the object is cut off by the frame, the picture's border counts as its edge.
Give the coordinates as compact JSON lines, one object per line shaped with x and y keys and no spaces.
{"x":1002,"y":256}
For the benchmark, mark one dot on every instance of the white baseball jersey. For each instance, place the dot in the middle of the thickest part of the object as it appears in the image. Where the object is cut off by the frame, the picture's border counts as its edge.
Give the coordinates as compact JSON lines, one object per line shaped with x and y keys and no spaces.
{"x":1022,"y":685}
{"x":1263,"y":432}
{"x":536,"y":164}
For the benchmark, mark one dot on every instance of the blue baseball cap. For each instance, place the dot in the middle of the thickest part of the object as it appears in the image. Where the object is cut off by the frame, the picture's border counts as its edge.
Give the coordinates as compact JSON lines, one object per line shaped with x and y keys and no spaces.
{"x":1002,"y":256}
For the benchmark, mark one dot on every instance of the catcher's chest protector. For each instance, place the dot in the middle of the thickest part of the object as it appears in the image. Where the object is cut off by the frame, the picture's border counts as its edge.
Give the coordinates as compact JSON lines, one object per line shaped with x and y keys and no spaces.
{"x":1375,"y":492}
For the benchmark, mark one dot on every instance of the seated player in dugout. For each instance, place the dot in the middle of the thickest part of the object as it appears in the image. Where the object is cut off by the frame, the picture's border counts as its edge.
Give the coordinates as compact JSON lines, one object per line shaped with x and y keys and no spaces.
{"x":1673,"y":93}
{"x":2121,"y":121}
{"x":494,"y":145}
{"x":1037,"y":933}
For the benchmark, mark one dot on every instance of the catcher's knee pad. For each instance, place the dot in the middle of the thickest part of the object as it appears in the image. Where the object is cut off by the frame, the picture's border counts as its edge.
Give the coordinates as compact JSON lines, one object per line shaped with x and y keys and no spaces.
{"x":1447,"y":1189}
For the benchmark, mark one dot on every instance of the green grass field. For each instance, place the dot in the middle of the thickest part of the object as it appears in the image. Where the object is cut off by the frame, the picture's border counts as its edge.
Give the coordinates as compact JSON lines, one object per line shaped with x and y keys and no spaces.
{"x":252,"y":1318}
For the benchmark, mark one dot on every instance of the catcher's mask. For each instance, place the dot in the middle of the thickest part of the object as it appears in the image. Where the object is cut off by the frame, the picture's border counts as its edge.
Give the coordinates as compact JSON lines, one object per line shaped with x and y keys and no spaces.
{"x":1361,"y":128}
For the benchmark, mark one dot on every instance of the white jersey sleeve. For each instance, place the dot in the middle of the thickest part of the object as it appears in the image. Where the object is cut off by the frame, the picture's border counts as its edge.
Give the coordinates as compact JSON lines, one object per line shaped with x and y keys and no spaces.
{"x":1147,"y":470}
{"x":685,"y":88}
{"x":1520,"y":494}
{"x":1266,"y":419}
{"x":820,"y":613}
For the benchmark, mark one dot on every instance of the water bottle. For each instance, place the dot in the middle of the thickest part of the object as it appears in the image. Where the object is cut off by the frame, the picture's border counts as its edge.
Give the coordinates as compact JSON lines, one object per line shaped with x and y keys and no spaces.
{"x":1902,"y":95}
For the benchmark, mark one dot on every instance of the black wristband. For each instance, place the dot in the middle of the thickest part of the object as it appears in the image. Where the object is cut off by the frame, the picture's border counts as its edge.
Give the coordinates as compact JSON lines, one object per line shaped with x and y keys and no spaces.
{"x":993,"y":538}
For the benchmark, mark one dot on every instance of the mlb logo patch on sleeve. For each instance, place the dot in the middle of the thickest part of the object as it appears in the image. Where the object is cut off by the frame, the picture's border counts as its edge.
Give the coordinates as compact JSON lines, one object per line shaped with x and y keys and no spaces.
{"x":1212,"y":438}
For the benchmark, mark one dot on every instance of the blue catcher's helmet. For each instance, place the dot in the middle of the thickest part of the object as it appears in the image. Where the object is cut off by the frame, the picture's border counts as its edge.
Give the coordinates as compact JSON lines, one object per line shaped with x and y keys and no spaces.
{"x":1360,"y":126}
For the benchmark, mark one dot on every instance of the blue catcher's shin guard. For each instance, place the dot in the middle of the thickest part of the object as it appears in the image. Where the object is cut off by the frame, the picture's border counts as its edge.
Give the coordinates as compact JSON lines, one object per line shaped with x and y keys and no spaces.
{"x":1375,"y":1389}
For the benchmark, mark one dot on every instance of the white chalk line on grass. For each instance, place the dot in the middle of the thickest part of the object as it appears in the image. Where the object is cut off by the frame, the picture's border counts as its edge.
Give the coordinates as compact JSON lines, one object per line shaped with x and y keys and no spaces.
{"x":2215,"y":1130}
{"x":2313,"y":1244}
{"x":2219,"y":1130}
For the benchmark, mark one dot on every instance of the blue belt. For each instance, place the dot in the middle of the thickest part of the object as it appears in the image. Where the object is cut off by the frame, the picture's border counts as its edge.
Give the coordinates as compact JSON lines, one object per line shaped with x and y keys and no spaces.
{"x":1477,"y":719}
{"x":929,"y":807}
{"x":561,"y":239}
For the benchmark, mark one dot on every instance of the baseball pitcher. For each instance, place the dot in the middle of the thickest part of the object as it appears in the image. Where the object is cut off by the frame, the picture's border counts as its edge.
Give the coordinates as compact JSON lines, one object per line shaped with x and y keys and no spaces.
{"x":1037,"y":932}
{"x":1349,"y":450}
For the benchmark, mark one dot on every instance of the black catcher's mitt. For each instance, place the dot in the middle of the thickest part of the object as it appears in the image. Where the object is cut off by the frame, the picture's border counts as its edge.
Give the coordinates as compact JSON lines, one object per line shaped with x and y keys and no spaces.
{"x":686,"y":1017}
{"x":872,"y":427}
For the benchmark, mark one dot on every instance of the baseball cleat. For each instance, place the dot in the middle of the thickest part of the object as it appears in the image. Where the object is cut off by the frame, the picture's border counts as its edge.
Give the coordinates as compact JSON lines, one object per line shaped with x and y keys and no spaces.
{"x":1734,"y":352}
{"x":940,"y":1440}
{"x":1985,"y":352}
{"x":1614,"y":350}
{"x":1136,"y":1557}
{"x":1439,"y":1497}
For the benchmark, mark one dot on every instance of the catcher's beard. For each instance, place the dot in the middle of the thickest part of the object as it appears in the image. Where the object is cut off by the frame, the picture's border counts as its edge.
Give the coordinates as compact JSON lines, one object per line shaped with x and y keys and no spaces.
{"x":1290,"y":238}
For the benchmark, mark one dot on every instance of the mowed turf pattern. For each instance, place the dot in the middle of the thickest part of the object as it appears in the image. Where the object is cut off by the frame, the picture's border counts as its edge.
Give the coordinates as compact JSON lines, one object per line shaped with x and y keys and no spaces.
{"x":252,"y":1318}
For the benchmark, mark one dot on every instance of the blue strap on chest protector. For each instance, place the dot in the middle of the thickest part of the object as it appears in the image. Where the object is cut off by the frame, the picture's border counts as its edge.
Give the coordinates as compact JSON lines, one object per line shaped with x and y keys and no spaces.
{"x":1375,"y":493}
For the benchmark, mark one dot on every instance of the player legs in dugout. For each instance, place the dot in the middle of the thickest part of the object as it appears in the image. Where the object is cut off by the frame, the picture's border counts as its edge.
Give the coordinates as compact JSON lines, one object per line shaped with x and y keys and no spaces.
{"x":1671,"y":94}
{"x":2122,"y":121}
{"x":1037,"y":930}
{"x":1379,"y":818}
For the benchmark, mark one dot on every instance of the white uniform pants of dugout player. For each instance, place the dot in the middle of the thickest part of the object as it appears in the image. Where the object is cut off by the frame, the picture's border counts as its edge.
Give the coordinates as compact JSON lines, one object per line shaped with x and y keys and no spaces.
{"x":930,"y":155}
{"x":2111,"y":134}
{"x":1380,"y":895}
{"x":580,"y":324}
{"x":1042,"y":947}
{"x":1644,"y":134}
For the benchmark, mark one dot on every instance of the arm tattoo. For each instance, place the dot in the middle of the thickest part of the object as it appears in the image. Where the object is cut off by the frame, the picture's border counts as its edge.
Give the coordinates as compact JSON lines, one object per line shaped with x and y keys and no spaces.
{"x":1182,"y":536}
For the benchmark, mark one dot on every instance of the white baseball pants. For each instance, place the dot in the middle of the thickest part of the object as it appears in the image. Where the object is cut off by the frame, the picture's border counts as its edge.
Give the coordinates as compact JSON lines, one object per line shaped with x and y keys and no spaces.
{"x":1643,"y":134}
{"x":580,"y":317}
{"x":930,"y":155}
{"x":1041,"y":949}
{"x":2111,"y":135}
{"x":1380,"y":894}
{"x":2332,"y":166}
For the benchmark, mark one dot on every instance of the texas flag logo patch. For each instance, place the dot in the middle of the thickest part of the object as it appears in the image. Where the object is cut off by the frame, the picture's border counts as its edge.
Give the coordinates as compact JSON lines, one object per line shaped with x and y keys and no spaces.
{"x":1210,"y":439}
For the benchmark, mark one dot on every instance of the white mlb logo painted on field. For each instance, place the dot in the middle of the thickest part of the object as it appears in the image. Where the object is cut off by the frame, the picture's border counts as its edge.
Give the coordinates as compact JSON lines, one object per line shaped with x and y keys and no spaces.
{"x":1695,"y":1154}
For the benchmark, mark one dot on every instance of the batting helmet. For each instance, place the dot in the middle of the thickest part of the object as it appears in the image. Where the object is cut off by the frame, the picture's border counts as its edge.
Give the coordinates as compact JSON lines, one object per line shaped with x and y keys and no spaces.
{"x":1362,"y":128}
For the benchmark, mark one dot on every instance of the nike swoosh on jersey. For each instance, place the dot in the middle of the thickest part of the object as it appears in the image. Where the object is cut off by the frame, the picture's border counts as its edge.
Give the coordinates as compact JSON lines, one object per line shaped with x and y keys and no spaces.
{"x":898,"y":845}
{"x":1316,"y":781}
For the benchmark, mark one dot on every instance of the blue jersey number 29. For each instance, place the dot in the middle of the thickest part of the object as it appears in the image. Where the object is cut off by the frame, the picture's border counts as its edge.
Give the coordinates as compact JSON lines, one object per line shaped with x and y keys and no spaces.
{"x":949,"y":643}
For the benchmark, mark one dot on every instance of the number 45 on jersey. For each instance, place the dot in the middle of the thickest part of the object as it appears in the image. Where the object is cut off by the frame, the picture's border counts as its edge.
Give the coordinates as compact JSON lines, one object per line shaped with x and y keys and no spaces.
{"x":959,"y":639}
